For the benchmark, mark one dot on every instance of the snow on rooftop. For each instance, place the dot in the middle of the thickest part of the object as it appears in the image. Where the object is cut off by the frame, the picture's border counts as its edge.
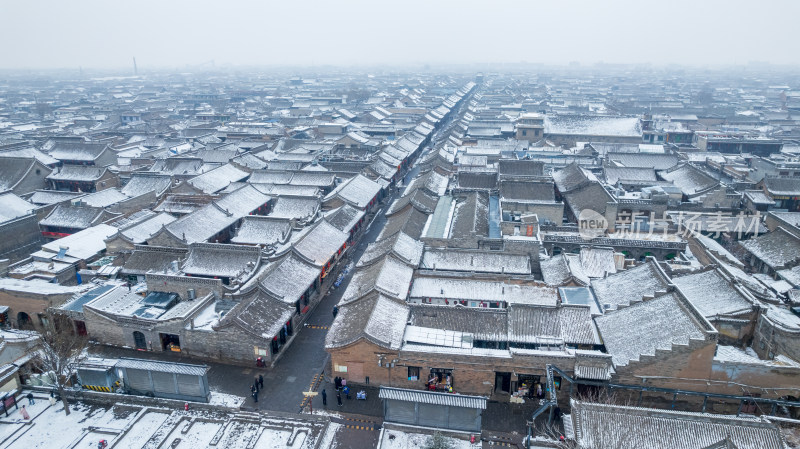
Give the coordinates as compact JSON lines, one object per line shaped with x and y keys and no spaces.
{"x":641,"y":328}
{"x":85,"y":243}
{"x":477,"y":290}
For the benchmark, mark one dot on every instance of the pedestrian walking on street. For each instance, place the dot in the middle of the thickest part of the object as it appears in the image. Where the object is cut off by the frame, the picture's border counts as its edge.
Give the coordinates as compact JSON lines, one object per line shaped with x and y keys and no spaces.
{"x":25,"y":414}
{"x":255,"y":383}
{"x":261,"y":381}
{"x":52,"y":398}
{"x":324,"y":398}
{"x":30,"y":399}
{"x":338,"y":399}
{"x":255,"y":396}
{"x":335,"y":311}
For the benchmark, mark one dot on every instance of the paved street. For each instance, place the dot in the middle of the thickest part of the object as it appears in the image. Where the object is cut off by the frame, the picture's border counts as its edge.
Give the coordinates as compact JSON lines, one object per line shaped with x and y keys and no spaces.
{"x":299,"y":367}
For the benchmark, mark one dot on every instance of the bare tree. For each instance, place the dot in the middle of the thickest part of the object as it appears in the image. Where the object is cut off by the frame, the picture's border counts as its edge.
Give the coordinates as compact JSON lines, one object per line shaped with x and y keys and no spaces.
{"x":438,"y":441}
{"x":61,"y":352}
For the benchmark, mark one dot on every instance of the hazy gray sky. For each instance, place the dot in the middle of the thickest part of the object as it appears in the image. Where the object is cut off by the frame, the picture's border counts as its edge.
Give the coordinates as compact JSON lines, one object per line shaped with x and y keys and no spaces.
{"x":174,"y":33}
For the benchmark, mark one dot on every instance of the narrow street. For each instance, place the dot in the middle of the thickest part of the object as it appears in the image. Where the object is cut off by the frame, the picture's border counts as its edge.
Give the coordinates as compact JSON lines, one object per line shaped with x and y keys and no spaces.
{"x":299,"y":367}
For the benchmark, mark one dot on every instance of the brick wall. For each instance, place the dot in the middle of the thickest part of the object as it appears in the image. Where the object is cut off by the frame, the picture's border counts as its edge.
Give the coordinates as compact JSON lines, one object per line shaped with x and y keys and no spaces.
{"x":181,"y":284}
{"x":471,"y":374}
{"x":26,"y":238}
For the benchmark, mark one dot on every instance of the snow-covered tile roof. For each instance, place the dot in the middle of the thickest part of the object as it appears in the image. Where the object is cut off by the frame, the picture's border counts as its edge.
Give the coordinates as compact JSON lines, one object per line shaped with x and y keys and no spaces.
{"x":221,"y":260}
{"x":258,"y":230}
{"x":572,"y":177}
{"x":288,"y":278}
{"x":629,"y":286}
{"x":461,"y":288}
{"x":243,"y":200}
{"x":399,"y":245}
{"x":483,"y":323}
{"x":476,"y":261}
{"x":202,"y":224}
{"x":738,"y":356}
{"x":141,"y":232}
{"x":74,"y":217}
{"x":533,"y":324}
{"x":389,"y":276}
{"x":295,"y":207}
{"x":12,"y":206}
{"x":344,"y":218}
{"x":641,"y":328}
{"x":379,"y":319}
{"x":48,"y":197}
{"x":691,"y":180}
{"x":777,"y":249}
{"x":726,"y":300}
{"x":321,"y":243}
{"x":153,"y":258}
{"x":217,"y":179}
{"x":358,"y":191}
{"x":601,"y":426}
{"x":83,"y":173}
{"x":262,"y":315}
{"x":104,"y":198}
{"x":141,"y":183}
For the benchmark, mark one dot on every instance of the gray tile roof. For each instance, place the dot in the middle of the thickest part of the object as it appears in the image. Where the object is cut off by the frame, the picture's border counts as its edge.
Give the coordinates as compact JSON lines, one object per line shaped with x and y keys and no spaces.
{"x":726,"y":300}
{"x":630,"y":286}
{"x":221,"y":260}
{"x":141,"y":183}
{"x":163,"y":367}
{"x":427,"y":397}
{"x":688,"y":178}
{"x":531,"y":324}
{"x":155,"y":258}
{"x":258,"y":230}
{"x":261,"y":314}
{"x":601,"y":426}
{"x":379,"y":319}
{"x":527,"y":190}
{"x":641,"y":328}
{"x":778,"y":249}
{"x":485,"y":324}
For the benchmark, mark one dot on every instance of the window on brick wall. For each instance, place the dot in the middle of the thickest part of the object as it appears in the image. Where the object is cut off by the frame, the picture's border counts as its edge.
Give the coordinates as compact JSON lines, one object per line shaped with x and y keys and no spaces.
{"x":340,"y":368}
{"x":260,"y":352}
{"x":413,"y":373}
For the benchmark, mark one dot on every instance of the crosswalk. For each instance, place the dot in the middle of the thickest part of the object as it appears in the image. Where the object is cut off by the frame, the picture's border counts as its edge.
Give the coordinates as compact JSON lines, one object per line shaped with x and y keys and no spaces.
{"x":358,"y":424}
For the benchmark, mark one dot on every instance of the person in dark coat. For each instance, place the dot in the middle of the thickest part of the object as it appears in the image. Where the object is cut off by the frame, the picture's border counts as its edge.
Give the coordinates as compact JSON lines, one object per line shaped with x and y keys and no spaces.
{"x":261,"y":381}
{"x":30,"y":399}
{"x":255,"y":396}
{"x":337,"y":382}
{"x":335,"y":311}
{"x":339,"y":398}
{"x":324,"y":397}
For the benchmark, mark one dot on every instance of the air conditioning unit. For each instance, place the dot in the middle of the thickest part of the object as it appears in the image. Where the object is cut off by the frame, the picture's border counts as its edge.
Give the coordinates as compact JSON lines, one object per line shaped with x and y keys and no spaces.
{"x":191,"y":294}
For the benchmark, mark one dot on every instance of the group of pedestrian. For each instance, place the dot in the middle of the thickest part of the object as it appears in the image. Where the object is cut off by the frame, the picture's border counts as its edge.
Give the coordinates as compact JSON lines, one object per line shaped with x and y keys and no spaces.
{"x":341,"y":387}
{"x":258,"y":385}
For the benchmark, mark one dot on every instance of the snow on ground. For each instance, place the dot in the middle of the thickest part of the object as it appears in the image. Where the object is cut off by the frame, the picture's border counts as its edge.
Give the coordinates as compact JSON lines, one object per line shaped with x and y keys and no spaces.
{"x":327,"y":440}
{"x":395,"y":439}
{"x":226,"y":400}
{"x":130,"y":426}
